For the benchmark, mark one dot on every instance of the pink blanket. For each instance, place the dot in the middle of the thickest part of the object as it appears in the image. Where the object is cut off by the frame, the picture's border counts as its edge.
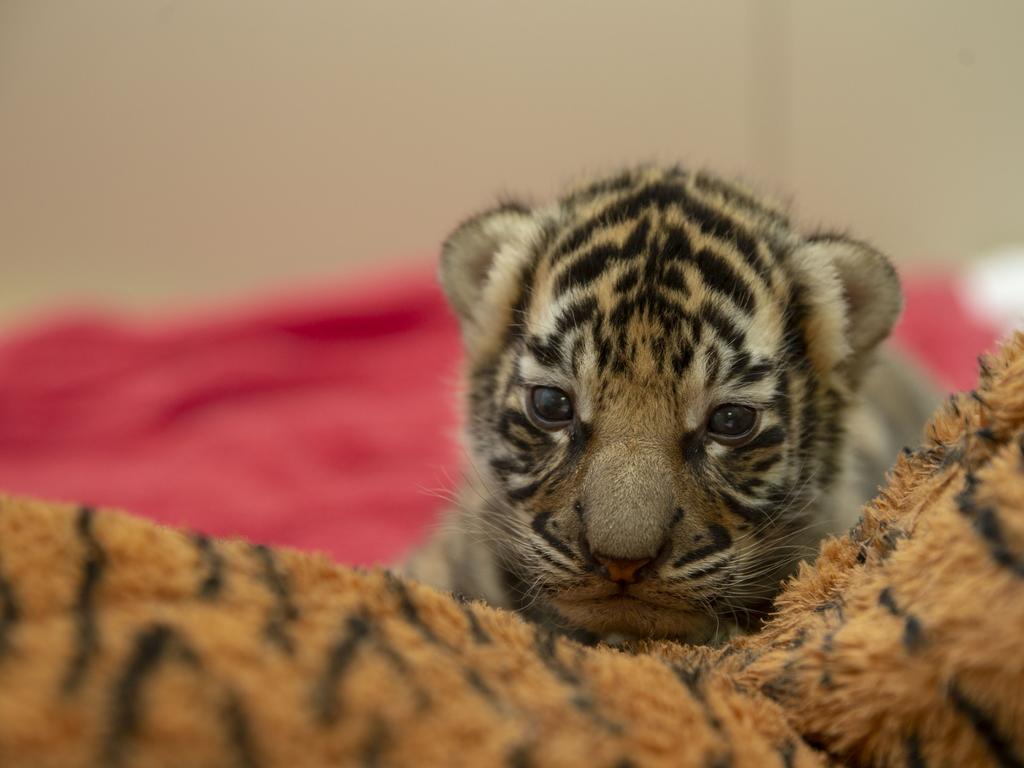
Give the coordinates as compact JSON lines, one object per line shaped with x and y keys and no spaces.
{"x":323,"y":422}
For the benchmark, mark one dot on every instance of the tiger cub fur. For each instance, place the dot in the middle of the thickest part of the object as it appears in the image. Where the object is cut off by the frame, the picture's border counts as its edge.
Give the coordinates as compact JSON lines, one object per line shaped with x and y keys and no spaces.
{"x":671,"y":397}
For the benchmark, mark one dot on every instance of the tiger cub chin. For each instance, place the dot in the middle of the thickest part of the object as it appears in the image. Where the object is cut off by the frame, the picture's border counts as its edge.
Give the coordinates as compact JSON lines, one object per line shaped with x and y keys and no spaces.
{"x":671,"y":396}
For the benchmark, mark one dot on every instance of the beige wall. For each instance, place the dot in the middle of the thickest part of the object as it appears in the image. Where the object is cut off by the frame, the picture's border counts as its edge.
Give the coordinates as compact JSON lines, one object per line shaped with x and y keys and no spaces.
{"x":155,"y":151}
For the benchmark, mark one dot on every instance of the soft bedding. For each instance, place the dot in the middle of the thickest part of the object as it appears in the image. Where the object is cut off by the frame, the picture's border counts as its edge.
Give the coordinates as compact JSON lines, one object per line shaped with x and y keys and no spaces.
{"x":323,"y":421}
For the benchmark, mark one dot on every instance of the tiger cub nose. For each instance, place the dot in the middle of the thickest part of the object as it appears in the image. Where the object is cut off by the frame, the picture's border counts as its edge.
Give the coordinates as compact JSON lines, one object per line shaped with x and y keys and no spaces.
{"x":622,"y":571}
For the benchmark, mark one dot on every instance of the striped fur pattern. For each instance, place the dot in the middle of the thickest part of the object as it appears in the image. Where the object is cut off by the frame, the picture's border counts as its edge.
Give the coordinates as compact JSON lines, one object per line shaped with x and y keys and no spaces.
{"x":648,"y":301}
{"x":124,"y":644}
{"x":128,"y":645}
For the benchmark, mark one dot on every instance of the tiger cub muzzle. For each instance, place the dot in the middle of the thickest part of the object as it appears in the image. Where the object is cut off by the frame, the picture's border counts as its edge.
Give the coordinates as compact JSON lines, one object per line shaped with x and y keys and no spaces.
{"x":628,"y":508}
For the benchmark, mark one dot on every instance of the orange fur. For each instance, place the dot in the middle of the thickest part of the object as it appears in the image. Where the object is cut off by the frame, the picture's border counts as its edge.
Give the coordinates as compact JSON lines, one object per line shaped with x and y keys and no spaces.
{"x":124,"y":643}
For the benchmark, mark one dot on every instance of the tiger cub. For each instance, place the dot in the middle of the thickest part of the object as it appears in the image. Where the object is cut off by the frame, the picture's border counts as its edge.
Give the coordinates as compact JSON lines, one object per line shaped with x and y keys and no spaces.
{"x":671,"y":396}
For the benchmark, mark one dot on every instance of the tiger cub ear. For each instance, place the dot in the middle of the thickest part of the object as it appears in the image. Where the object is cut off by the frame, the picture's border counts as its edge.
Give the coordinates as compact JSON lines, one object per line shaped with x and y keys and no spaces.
{"x":855,"y":299}
{"x":481,"y":251}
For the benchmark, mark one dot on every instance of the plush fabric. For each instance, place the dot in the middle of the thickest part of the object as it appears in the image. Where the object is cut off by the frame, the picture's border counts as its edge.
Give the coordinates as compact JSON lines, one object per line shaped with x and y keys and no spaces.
{"x":324,"y":421}
{"x":320,"y":421}
{"x":126,"y":644}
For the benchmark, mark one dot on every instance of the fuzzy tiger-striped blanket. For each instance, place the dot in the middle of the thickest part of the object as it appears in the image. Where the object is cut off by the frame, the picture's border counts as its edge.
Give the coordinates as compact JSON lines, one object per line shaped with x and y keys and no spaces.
{"x":126,"y":644}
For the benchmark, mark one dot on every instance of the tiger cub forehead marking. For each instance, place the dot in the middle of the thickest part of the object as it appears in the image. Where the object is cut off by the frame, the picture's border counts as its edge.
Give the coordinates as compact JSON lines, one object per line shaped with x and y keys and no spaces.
{"x":642,"y":273}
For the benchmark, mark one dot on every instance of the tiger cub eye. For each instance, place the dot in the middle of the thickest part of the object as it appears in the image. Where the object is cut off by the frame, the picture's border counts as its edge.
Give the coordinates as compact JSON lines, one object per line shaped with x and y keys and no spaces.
{"x":550,"y":407}
{"x":732,"y":424}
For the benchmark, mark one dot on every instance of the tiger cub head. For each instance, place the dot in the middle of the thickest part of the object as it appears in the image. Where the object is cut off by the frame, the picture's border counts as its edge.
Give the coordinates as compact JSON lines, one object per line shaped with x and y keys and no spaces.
{"x":658,"y":370}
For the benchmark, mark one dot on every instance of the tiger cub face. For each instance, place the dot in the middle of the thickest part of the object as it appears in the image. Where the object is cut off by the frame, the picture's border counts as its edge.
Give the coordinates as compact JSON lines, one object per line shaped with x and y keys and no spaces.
{"x":658,"y":372}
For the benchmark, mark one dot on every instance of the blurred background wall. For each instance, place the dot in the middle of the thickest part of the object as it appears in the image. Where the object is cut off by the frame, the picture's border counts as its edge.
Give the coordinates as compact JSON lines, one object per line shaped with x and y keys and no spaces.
{"x":156,"y":153}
